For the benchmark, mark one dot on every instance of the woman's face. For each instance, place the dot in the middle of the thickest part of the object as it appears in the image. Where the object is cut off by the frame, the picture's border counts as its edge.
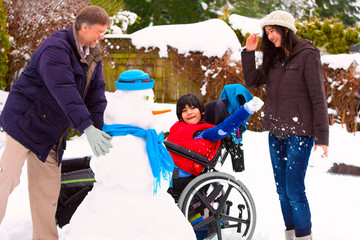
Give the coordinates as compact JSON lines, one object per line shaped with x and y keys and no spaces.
{"x":273,"y":35}
{"x":191,"y":115}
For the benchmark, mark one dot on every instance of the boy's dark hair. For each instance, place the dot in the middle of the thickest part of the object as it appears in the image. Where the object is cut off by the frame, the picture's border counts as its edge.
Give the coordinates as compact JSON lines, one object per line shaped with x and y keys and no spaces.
{"x":91,"y":15}
{"x":272,"y":54}
{"x":191,"y":100}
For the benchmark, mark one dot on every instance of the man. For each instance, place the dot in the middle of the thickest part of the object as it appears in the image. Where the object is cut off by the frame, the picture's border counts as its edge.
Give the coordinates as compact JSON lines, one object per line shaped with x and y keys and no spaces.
{"x":61,"y":88}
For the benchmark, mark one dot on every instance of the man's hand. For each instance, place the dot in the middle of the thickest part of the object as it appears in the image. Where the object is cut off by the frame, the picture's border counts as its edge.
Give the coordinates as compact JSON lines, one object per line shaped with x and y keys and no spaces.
{"x":99,"y":141}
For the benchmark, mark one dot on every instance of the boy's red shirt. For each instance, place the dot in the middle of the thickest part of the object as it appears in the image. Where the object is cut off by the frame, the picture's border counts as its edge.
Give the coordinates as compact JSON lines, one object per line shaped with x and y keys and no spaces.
{"x":182,"y":134}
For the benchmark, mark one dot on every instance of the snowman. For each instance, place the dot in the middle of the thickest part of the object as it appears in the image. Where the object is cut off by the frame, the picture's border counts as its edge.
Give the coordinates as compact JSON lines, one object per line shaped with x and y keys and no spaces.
{"x":129,"y":199}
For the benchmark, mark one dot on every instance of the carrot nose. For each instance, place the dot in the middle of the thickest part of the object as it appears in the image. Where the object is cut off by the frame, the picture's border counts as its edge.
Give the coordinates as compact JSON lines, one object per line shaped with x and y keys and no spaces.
{"x":160,"y":111}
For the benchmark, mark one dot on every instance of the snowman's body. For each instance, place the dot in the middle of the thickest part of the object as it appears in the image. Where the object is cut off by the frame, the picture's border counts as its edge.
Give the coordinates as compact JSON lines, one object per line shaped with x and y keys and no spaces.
{"x":128,"y":157}
{"x":121,"y":205}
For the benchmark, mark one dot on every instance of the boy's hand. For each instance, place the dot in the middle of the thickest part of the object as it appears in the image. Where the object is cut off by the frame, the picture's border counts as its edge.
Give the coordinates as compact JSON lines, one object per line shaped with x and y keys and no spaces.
{"x":253,"y":105}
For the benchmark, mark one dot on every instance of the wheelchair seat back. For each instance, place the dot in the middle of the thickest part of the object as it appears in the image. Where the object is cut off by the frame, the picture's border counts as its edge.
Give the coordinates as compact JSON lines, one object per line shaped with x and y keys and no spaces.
{"x":216,"y":111}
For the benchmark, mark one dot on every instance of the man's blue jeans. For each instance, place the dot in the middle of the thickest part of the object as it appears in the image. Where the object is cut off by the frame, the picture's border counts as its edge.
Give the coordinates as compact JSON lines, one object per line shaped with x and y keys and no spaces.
{"x":290,"y":158}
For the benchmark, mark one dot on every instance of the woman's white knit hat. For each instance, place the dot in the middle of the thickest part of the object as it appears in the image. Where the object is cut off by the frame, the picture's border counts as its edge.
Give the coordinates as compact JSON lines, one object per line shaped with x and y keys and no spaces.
{"x":280,"y":18}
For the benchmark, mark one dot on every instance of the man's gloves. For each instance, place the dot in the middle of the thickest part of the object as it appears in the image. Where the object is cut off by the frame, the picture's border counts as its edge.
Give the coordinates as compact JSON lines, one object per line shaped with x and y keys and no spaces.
{"x":253,"y":105}
{"x":99,"y":141}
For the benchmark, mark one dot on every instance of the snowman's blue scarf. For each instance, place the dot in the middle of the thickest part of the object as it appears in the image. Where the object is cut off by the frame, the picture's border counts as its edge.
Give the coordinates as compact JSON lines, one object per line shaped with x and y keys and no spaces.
{"x":161,"y":162}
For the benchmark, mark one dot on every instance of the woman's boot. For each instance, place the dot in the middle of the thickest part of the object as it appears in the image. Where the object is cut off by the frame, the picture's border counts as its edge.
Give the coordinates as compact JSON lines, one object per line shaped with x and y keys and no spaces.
{"x":290,"y":234}
{"x":308,"y":237}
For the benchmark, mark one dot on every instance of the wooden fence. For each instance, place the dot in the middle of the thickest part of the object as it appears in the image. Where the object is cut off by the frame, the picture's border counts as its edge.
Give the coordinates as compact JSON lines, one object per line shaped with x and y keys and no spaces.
{"x":170,"y":84}
{"x":178,"y":74}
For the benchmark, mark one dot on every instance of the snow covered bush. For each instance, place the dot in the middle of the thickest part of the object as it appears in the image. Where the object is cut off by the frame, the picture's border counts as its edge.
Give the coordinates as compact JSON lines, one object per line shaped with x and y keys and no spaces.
{"x":343,"y":94}
{"x":121,"y":21}
{"x":30,"y":22}
{"x":4,"y":45}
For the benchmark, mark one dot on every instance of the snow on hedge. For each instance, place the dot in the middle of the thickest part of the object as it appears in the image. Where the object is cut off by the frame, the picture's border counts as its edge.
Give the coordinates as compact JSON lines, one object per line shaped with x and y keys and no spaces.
{"x":213,"y":38}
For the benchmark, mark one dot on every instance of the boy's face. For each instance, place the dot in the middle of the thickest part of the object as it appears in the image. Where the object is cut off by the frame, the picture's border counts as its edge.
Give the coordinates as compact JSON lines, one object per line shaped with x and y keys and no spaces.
{"x":191,"y":115}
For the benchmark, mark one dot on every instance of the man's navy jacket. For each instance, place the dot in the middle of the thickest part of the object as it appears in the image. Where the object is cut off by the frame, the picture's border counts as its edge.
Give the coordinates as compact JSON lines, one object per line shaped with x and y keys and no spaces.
{"x":48,"y":98}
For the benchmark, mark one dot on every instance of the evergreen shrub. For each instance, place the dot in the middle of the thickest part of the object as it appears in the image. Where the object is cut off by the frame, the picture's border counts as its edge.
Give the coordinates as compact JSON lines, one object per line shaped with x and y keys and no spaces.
{"x":330,"y":35}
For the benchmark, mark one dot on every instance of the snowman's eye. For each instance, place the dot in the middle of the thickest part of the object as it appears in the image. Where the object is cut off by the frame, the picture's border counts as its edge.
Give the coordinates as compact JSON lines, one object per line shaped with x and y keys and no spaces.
{"x":148,"y":97}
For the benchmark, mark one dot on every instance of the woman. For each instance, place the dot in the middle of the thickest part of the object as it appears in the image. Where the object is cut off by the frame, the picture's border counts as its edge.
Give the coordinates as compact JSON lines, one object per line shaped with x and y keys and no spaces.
{"x":295,"y":112}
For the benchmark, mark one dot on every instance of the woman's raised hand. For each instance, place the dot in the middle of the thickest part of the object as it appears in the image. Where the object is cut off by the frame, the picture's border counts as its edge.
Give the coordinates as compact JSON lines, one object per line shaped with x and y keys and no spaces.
{"x":252,"y":42}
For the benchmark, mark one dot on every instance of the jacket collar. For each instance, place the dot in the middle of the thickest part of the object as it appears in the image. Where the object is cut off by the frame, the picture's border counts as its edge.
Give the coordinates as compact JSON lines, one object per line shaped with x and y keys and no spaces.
{"x":302,"y":45}
{"x":95,"y":52}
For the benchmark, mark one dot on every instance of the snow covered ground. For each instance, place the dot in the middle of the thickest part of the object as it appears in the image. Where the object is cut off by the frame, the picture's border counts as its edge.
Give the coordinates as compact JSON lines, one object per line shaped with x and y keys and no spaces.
{"x":334,"y":199}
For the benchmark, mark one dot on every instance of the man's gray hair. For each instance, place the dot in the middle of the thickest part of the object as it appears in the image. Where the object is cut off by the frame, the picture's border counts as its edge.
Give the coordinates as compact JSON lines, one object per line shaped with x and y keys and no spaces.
{"x":91,"y":15}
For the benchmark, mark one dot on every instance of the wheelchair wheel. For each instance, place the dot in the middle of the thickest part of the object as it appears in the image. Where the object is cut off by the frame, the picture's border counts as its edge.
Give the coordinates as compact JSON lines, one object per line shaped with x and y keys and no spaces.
{"x":219,"y":207}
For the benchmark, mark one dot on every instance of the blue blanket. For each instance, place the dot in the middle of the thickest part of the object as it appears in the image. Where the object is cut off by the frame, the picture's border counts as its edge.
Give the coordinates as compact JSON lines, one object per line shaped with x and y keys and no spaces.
{"x":231,"y":93}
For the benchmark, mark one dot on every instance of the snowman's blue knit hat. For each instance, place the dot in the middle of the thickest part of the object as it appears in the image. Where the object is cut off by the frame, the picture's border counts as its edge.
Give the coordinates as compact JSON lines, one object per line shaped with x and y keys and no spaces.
{"x":134,"y":79}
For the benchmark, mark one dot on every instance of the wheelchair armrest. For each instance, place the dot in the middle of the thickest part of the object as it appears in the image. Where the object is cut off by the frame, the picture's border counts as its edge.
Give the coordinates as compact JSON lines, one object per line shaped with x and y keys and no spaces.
{"x":187,"y":153}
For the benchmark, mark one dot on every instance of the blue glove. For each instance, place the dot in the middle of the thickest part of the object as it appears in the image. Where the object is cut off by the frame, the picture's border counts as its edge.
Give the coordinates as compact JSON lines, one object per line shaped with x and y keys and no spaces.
{"x":99,"y":141}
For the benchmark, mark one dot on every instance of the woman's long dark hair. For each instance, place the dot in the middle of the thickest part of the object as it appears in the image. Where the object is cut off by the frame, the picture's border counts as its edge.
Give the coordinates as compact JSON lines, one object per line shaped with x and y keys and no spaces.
{"x":272,"y":54}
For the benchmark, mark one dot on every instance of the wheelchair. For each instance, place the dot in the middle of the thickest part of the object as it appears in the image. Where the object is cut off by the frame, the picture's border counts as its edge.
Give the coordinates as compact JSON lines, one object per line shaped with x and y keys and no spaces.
{"x":217,"y":205}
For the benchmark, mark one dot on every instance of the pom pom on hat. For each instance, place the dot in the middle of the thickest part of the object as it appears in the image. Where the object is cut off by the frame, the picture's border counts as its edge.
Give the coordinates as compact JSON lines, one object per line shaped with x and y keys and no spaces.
{"x":133,"y":80}
{"x":280,"y":18}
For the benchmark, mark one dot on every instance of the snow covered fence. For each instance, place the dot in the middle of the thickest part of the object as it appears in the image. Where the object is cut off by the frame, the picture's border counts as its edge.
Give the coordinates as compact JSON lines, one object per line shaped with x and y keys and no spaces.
{"x":201,"y":58}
